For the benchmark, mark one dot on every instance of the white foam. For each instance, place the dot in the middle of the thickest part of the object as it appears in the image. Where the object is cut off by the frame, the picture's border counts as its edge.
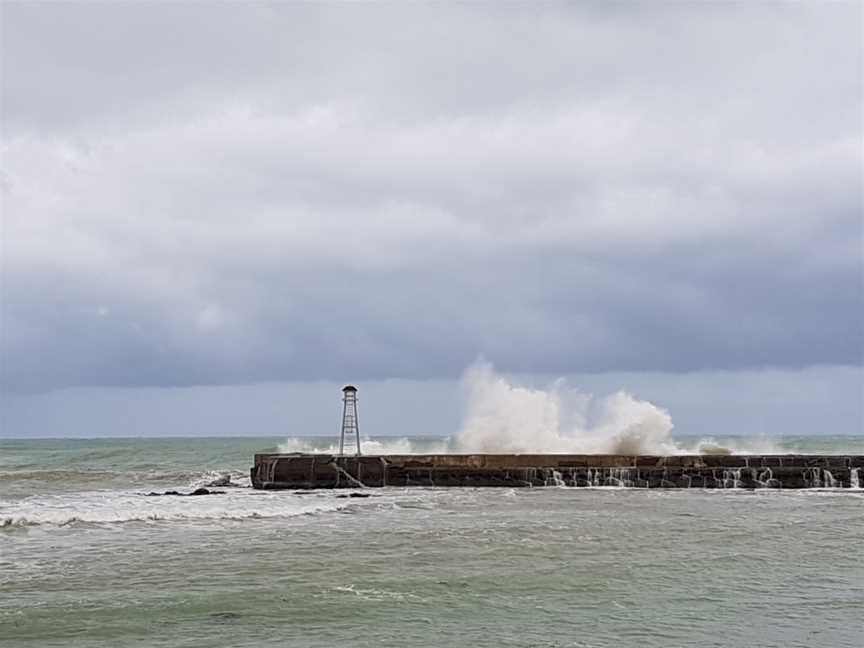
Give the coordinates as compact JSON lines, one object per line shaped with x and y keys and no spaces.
{"x":125,"y":506}
{"x":394,"y":446}
{"x":504,"y":417}
{"x":217,"y":477}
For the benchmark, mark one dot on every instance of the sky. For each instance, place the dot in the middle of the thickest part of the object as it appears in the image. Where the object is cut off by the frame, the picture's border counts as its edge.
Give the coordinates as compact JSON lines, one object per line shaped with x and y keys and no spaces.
{"x":213,"y":215}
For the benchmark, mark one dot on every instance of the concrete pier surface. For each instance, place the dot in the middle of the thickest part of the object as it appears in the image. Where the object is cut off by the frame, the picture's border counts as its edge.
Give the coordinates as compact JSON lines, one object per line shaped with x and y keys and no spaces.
{"x":302,"y":471}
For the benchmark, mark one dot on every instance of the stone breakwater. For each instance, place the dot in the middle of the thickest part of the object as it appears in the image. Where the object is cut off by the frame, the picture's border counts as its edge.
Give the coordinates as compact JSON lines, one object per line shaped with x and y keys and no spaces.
{"x":301,"y":471}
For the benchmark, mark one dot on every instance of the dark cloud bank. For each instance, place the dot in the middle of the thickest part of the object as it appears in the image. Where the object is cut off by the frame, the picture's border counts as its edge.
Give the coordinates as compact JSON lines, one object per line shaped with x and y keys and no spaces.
{"x":235,"y":193}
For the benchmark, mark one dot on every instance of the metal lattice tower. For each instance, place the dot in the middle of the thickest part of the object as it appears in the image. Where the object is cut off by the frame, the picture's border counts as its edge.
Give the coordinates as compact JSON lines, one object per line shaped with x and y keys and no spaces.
{"x":349,"y":440}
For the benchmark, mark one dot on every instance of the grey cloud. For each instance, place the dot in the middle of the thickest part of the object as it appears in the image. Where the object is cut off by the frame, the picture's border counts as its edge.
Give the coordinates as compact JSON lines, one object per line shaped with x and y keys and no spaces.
{"x":257,"y":192}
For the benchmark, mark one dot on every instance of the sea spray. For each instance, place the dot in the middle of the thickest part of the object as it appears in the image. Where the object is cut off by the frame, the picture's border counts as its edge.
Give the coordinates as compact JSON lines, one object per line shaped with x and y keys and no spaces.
{"x":379,"y":446}
{"x":507,"y":418}
{"x":502,"y":416}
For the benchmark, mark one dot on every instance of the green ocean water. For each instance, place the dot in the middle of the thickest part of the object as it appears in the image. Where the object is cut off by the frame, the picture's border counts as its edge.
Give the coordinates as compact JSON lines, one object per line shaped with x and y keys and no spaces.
{"x":88,"y":559}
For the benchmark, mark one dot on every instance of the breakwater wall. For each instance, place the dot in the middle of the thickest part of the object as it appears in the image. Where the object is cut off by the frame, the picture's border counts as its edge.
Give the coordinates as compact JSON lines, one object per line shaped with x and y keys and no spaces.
{"x":301,"y":471}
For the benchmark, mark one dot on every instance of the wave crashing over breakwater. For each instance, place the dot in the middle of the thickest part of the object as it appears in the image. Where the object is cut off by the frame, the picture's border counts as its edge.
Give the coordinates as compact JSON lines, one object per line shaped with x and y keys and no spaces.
{"x":502,"y":417}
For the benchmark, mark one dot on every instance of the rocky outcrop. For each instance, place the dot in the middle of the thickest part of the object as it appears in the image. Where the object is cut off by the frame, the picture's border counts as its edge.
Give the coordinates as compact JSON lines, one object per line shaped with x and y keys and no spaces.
{"x":197,"y":491}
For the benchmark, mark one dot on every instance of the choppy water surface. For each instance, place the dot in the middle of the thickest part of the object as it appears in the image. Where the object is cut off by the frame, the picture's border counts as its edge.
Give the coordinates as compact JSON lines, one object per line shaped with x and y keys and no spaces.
{"x":90,"y":561}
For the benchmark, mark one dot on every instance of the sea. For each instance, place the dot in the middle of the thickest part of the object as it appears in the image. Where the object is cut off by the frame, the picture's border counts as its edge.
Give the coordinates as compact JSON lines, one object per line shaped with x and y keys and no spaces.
{"x":88,"y":557}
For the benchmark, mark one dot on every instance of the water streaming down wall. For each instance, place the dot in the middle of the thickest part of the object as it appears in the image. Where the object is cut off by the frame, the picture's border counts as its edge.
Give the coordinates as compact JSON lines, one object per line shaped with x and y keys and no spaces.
{"x":813,"y":478}
{"x":556,"y":479}
{"x":824,"y":478}
{"x":577,"y":471}
{"x":765,"y":479}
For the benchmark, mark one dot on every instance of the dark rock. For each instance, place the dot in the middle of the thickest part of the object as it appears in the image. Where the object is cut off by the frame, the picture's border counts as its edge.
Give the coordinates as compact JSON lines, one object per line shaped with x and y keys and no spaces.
{"x":197,"y":491}
{"x":205,"y":491}
{"x":353,"y":495}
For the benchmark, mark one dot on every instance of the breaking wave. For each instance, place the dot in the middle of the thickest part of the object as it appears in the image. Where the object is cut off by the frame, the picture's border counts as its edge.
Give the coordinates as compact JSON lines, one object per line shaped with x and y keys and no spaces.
{"x":394,"y":446}
{"x":503,"y":417}
{"x":107,"y":507}
{"x":221,"y":479}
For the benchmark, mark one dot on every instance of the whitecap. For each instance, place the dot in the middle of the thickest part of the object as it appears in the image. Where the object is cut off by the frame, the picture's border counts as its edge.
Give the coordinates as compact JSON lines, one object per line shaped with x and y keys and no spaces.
{"x":108,"y":507}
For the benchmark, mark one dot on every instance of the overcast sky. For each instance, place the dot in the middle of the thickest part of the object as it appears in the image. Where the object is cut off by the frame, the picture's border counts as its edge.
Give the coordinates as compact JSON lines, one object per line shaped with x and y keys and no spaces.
{"x":248,"y":203}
